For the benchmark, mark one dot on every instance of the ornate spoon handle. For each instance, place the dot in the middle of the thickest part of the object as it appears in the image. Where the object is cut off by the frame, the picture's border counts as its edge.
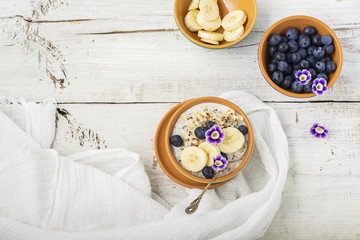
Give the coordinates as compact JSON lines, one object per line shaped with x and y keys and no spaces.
{"x":194,"y":204}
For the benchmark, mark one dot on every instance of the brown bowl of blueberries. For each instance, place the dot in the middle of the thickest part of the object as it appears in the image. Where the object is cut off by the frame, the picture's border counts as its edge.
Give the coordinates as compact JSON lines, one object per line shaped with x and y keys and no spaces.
{"x":300,"y":56}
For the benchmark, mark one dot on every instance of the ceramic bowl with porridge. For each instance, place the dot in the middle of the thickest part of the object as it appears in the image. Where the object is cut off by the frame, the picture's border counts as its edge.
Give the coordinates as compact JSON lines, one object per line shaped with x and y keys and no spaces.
{"x":208,"y":137}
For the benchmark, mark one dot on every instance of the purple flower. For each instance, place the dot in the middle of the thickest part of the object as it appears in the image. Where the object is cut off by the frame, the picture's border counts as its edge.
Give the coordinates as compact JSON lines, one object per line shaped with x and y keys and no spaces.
{"x":215,"y":135}
{"x":319,"y":86}
{"x":319,"y":131}
{"x":303,"y":76}
{"x":219,"y":163}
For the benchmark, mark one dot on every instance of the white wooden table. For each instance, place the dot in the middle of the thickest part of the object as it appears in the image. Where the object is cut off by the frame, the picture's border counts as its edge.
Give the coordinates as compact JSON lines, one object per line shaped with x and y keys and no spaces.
{"x":116,"y":66}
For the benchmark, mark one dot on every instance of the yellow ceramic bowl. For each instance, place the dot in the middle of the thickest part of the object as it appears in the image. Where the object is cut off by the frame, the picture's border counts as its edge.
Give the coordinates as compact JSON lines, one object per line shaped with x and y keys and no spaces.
{"x":225,"y":6}
{"x":299,"y":22}
{"x":198,"y":181}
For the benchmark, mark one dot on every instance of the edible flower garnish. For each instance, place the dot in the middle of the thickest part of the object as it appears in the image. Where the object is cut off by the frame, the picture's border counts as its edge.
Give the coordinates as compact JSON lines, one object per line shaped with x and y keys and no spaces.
{"x":319,"y":86}
{"x":303,"y":76}
{"x":319,"y":131}
{"x":219,"y":163}
{"x":215,"y":135}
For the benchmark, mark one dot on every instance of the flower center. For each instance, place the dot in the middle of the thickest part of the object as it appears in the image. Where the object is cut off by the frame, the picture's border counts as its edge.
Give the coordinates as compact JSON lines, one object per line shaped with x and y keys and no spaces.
{"x":319,"y":87}
{"x":303,"y":77}
{"x":215,"y":135}
{"x":319,"y":130}
{"x":218,"y":163}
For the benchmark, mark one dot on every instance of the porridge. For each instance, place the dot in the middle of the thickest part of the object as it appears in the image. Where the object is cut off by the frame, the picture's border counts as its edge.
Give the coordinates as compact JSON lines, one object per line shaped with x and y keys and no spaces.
{"x":209,"y":137}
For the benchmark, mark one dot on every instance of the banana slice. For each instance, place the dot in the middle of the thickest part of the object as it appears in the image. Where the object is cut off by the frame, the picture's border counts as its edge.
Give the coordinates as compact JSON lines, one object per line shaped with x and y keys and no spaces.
{"x":233,"y":140}
{"x":214,"y":36}
{"x":233,"y":20}
{"x":207,"y":24}
{"x":209,"y":8}
{"x":209,"y":41}
{"x":193,"y":159}
{"x":190,"y":21}
{"x":211,"y":150}
{"x":233,"y":35}
{"x":194,"y":5}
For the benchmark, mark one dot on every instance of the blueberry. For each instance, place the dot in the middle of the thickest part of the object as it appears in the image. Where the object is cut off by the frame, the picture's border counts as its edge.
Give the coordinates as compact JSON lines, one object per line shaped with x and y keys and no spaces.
{"x":209,"y":124}
{"x":293,"y":45}
{"x":287,"y":82}
{"x":272,"y":50}
{"x":312,"y":72}
{"x":330,"y":67}
{"x":284,"y":39}
{"x":283,"y":47}
{"x":319,"y":52}
{"x":330,"y":49}
{"x":304,"y":64}
{"x":277,"y":77}
{"x":309,"y":31}
{"x":301,"y":36}
{"x":272,"y":67}
{"x":311,"y":49}
{"x":200,"y":132}
{"x":289,"y":69}
{"x":316,"y":40}
{"x":304,"y":42}
{"x":322,"y":75}
{"x":325,"y":59}
{"x":295,"y":57}
{"x":288,"y":57}
{"x":243,"y":129}
{"x":282,"y":66}
{"x":274,"y":39}
{"x":302,"y":53}
{"x":176,"y":141}
{"x":224,"y":155}
{"x":297,"y":87}
{"x":292,"y":34}
{"x":312,"y":60}
{"x":326,"y":40}
{"x":308,"y":87}
{"x":296,"y":66}
{"x":320,"y":66}
{"x":208,"y":172}
{"x":279,"y":56}
{"x":274,"y":61}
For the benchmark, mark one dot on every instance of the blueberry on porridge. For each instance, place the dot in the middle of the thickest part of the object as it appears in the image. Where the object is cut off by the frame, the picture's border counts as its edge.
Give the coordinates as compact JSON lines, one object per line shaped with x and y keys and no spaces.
{"x":209,"y":137}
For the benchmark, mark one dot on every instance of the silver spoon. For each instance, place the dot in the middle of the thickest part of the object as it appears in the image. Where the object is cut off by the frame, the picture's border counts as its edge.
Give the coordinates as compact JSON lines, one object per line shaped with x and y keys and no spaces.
{"x":195,"y":204}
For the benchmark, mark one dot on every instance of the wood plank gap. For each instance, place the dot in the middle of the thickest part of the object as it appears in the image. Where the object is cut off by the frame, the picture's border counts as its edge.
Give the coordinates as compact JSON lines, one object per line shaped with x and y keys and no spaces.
{"x":128,"y":103}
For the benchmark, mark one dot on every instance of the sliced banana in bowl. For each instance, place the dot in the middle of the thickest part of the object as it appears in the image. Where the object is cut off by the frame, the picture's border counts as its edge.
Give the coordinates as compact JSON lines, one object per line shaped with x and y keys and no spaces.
{"x":193,"y":159}
{"x":211,"y":150}
{"x":233,"y":140}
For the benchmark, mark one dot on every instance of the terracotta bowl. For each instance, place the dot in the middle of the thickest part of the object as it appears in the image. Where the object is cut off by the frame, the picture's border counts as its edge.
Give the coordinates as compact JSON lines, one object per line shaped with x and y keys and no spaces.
{"x":225,"y":6}
{"x":185,"y":106}
{"x":299,"y":22}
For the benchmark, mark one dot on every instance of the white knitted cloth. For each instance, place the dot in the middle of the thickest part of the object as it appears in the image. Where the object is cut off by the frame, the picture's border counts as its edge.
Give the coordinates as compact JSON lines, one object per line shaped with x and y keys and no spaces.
{"x":47,"y":196}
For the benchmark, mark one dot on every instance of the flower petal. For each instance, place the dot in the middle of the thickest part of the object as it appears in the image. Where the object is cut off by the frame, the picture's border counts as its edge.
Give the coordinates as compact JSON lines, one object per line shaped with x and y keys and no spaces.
{"x":322,"y":81}
{"x":298,"y":73}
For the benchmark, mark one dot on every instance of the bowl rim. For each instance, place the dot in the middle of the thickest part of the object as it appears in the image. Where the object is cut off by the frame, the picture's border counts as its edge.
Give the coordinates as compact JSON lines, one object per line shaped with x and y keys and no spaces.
{"x":210,"y":46}
{"x":263,"y":70}
{"x":195,"y":101}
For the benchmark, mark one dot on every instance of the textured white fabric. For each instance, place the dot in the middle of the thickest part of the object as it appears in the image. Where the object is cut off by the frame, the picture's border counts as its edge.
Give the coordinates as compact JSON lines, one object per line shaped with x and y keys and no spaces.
{"x":106,"y":194}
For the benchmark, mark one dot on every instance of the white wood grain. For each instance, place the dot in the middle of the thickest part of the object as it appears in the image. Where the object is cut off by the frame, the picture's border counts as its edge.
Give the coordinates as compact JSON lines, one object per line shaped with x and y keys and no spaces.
{"x":146,"y":59}
{"x":322,"y":195}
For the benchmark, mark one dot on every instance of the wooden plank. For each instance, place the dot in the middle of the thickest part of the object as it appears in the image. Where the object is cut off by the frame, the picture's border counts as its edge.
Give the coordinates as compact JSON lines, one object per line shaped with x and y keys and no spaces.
{"x":148,"y":60}
{"x":322,"y":194}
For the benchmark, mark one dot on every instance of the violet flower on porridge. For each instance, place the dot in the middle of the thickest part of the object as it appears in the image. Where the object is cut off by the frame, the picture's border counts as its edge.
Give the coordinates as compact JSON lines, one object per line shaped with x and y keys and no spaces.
{"x":215,"y":135}
{"x":219,"y":163}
